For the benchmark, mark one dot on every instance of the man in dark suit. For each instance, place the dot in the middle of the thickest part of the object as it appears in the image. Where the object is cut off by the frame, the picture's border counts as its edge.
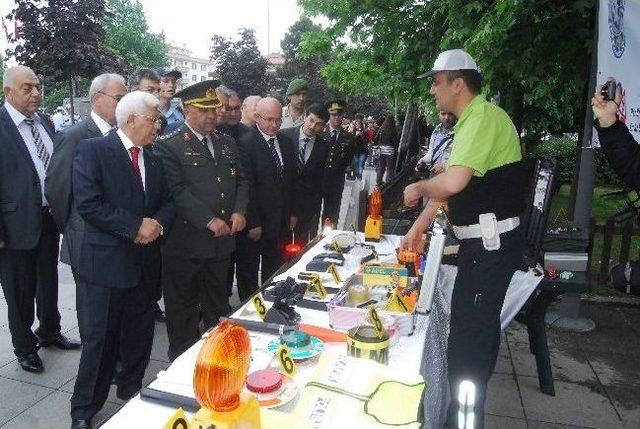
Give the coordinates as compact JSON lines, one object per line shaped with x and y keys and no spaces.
{"x":119,"y":191}
{"x":105,"y":92}
{"x":230,"y":113}
{"x":210,"y":192}
{"x":341,"y":152}
{"x":28,"y":235}
{"x":311,"y":154}
{"x":269,"y":162}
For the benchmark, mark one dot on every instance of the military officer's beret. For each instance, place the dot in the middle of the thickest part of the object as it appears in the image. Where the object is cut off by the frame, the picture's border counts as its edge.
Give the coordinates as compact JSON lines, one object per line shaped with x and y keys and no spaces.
{"x":201,"y":94}
{"x":296,"y":86}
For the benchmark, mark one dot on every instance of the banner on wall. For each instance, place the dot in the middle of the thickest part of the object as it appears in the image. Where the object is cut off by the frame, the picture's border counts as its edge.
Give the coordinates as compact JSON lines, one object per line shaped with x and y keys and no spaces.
{"x":619,"y":56}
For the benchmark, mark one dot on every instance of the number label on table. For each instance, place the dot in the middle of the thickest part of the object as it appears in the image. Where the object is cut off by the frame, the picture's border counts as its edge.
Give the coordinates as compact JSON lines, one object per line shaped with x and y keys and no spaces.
{"x":286,"y":362}
{"x":177,"y":421}
{"x":375,"y":319}
{"x":258,"y":303}
{"x":334,"y":272}
{"x":400,"y":301}
{"x":319,"y":287}
{"x":337,"y":248}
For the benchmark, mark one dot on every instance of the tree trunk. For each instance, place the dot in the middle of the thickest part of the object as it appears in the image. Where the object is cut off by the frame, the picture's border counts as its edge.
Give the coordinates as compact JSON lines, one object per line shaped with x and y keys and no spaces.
{"x":71,"y":108}
{"x":407,"y":138}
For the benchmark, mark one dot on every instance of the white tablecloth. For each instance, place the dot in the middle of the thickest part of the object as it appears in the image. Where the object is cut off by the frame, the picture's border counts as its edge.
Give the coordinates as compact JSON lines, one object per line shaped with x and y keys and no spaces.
{"x":407,"y":354}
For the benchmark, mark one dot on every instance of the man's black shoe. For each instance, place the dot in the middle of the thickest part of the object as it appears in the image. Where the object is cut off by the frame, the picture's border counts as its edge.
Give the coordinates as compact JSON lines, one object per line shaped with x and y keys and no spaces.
{"x":61,"y":342}
{"x":31,"y":363}
{"x":158,"y":314}
{"x":80,"y":424}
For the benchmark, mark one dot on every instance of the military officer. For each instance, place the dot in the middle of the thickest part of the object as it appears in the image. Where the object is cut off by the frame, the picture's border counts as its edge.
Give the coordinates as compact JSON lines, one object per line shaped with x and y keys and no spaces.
{"x":210,"y":193}
{"x":339,"y":157}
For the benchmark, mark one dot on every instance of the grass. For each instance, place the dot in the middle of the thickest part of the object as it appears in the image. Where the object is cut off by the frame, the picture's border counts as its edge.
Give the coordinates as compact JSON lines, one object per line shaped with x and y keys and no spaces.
{"x":601,"y":209}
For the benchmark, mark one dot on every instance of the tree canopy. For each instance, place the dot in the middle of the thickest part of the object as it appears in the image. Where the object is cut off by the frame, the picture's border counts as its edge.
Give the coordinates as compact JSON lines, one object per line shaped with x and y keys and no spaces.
{"x":534,"y":55}
{"x":239,"y":63}
{"x":127,"y":33}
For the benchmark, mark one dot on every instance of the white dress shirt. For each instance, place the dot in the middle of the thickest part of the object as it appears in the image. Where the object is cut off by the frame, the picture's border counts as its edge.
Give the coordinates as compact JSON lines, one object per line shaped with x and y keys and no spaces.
{"x":103,"y":125}
{"x":308,"y":148}
{"x":276,"y":144}
{"x":128,"y":144}
{"x":25,"y":131}
{"x":200,"y":137}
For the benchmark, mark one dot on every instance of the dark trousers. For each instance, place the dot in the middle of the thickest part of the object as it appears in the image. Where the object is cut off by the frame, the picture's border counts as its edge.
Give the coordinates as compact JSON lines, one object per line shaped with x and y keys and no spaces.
{"x":272,"y":257}
{"x":388,"y":164}
{"x":194,"y":290}
{"x":331,"y":196}
{"x":474,"y":335}
{"x":121,"y":323}
{"x":306,"y":229}
{"x":247,"y":258}
{"x":27,"y":275}
{"x":81,"y":314}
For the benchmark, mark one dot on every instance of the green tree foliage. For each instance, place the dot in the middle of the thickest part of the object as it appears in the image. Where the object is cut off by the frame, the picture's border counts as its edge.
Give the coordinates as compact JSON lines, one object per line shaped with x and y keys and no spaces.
{"x":127,"y":33}
{"x":310,"y":68}
{"x":239,"y":63}
{"x":534,"y":54}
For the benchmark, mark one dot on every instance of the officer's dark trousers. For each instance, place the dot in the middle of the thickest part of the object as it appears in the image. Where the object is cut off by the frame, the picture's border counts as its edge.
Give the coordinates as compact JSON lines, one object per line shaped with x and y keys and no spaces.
{"x":331,"y":202}
{"x":81,"y":291}
{"x":247,"y":258}
{"x":272,"y":257}
{"x":194,"y":290}
{"x":306,"y":229}
{"x":27,"y":275}
{"x":478,"y":294}
{"x":120,"y":322}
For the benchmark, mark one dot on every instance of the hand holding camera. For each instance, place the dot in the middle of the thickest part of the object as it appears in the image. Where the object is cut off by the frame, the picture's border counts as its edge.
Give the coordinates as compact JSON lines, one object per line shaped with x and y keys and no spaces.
{"x":605,"y":102}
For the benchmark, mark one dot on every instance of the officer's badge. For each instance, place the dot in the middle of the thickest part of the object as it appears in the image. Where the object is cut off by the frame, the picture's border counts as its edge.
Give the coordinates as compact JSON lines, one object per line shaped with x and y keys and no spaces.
{"x":186,"y":136}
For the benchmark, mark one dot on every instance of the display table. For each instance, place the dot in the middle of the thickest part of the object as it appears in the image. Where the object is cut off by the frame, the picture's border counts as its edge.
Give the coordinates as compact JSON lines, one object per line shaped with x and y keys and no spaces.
{"x":405,"y":356}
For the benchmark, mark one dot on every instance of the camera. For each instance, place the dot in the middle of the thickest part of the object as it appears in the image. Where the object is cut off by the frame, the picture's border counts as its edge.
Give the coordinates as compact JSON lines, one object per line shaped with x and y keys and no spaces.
{"x":608,"y":90}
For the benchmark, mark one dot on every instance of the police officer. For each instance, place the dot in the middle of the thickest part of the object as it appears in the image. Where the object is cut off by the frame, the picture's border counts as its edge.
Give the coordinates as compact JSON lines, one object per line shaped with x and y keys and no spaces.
{"x":483,"y":183}
{"x":210,"y":193}
{"x":292,"y":113}
{"x":168,"y":80}
{"x":341,"y":151}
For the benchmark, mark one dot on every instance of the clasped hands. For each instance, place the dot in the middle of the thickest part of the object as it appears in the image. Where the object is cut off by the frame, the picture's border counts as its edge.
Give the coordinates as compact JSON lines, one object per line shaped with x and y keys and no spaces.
{"x":149,"y":231}
{"x":220,"y":228}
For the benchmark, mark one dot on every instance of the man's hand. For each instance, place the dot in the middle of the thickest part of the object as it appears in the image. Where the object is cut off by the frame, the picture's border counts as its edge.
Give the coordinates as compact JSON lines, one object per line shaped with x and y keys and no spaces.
{"x":218,"y":227}
{"x":293,"y":222}
{"x":412,"y":194}
{"x":255,"y":233}
{"x":238,"y":222}
{"x":603,"y":110}
{"x":149,"y":231}
{"x":437,"y":168}
{"x":414,"y":239}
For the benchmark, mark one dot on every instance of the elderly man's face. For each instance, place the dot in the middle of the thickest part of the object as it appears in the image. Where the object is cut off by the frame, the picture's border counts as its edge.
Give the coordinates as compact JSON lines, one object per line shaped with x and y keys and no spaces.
{"x":24,"y":95}
{"x":447,"y":119}
{"x":104,"y":102}
{"x":233,"y":110}
{"x":269,"y":118}
{"x":249,"y":110}
{"x":145,"y":127}
{"x":150,"y":86}
{"x":201,"y":120}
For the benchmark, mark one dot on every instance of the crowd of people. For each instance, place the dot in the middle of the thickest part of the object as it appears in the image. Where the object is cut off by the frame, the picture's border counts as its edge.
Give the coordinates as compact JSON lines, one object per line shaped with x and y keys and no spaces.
{"x":156,"y":198}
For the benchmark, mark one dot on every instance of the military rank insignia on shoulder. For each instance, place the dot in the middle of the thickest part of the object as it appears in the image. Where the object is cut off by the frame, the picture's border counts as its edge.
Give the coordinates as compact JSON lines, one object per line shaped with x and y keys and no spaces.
{"x":169,"y":135}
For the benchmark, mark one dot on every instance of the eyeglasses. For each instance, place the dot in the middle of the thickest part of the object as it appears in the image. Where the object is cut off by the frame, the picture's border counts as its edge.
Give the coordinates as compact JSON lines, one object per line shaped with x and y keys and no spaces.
{"x":156,"y":121}
{"x":270,"y":120}
{"x":117,"y":97}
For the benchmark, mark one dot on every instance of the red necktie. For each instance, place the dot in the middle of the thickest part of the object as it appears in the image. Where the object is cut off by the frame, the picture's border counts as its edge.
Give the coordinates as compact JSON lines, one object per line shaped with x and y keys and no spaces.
{"x":135,"y":152}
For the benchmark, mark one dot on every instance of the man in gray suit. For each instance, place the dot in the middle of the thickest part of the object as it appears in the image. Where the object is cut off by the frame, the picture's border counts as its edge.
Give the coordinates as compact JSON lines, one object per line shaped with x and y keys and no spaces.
{"x":105,"y":92}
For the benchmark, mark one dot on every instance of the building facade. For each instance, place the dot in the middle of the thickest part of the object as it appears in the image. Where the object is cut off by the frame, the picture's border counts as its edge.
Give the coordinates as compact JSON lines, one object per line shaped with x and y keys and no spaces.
{"x":193,"y":69}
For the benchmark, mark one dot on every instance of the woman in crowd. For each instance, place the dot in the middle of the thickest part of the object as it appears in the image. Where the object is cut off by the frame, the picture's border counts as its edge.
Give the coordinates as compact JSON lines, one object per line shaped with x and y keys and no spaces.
{"x":387,"y":141}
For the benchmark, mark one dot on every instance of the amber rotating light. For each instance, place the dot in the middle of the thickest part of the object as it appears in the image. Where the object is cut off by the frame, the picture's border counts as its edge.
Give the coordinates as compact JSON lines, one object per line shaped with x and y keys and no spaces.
{"x":222,"y":367}
{"x":373,"y":225}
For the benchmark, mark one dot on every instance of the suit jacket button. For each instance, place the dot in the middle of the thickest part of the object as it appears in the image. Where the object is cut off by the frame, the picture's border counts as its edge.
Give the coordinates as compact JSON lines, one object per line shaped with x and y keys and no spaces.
{"x":219,"y":180}
{"x":222,"y":195}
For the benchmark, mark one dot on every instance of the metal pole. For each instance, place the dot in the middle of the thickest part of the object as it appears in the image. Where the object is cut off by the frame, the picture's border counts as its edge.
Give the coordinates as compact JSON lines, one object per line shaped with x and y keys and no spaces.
{"x":268,"y":27}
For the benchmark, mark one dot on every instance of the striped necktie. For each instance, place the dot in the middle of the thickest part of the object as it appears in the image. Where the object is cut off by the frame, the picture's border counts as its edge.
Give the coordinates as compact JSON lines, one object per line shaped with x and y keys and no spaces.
{"x":301,"y":153}
{"x":274,"y":154}
{"x":41,"y":149}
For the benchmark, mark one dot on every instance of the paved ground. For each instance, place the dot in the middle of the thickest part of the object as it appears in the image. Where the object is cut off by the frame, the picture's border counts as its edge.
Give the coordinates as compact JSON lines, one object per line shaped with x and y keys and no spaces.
{"x":597,"y":376}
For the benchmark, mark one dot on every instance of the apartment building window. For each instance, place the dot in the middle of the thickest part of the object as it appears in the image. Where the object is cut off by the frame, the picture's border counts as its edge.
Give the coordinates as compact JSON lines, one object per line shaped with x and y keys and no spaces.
{"x":194,"y":66}
{"x":203,"y":67}
{"x":202,"y":78}
{"x":194,"y":78}
{"x":185,"y":63}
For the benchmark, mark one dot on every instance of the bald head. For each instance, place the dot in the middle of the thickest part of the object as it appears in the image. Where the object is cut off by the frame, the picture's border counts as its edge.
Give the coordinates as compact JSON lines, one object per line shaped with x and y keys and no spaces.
{"x":22,"y":89}
{"x":269,"y":115}
{"x":249,"y":110}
